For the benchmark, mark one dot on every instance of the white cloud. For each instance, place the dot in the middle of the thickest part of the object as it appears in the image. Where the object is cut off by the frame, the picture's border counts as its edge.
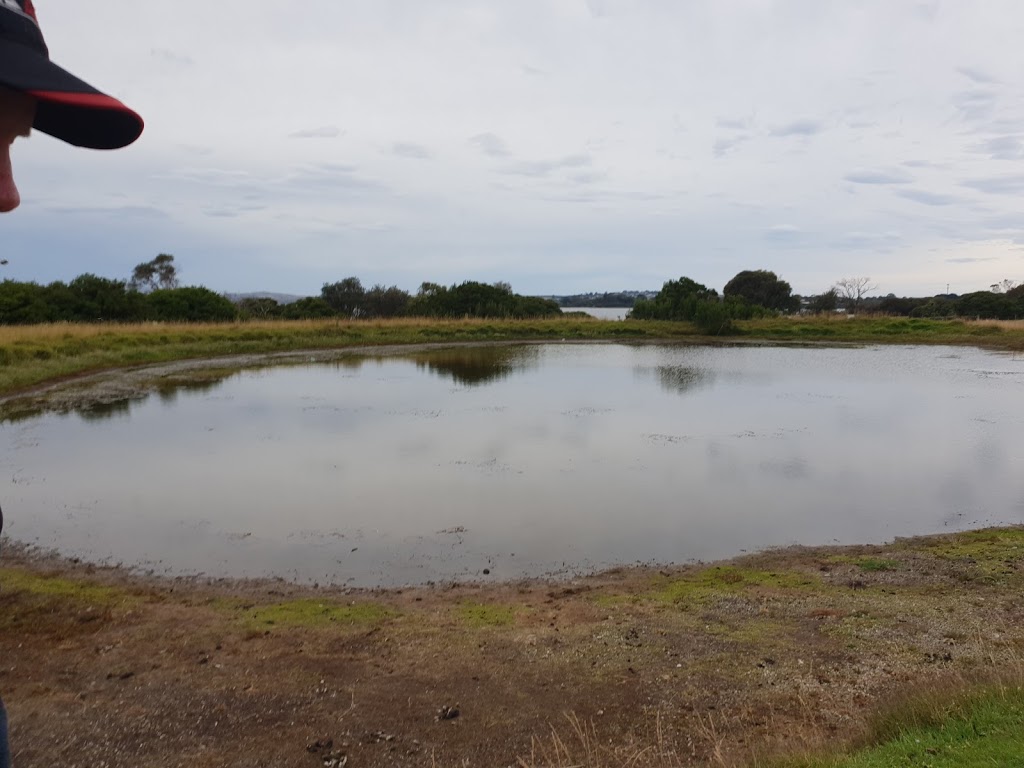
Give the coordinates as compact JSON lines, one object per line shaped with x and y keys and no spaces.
{"x":323,"y":132}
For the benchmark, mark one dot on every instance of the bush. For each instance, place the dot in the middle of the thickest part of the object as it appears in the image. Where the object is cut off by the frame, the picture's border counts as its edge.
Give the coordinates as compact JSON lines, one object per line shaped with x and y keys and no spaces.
{"x":189,"y":305}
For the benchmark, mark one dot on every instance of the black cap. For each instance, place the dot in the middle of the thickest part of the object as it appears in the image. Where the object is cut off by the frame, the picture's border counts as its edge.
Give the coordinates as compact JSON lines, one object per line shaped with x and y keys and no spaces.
{"x":67,"y":108}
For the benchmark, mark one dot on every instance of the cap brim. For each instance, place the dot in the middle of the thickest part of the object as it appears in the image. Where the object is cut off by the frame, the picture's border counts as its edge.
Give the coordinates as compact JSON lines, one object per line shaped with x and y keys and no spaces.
{"x":68,"y":108}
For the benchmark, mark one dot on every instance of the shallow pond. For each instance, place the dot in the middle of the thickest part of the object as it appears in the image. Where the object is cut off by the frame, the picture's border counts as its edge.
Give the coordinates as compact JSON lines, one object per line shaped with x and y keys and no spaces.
{"x":525,"y":460}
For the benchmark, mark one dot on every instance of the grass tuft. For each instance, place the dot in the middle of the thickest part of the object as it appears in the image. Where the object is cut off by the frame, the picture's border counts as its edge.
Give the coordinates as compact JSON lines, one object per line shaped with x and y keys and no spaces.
{"x":481,"y":615}
{"x":314,"y":613}
{"x":876,"y":564}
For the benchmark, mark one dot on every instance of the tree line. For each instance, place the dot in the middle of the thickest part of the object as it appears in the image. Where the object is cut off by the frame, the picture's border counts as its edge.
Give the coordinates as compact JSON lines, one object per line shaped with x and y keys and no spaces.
{"x":349,"y":299}
{"x":757,"y":293}
{"x":153,"y":293}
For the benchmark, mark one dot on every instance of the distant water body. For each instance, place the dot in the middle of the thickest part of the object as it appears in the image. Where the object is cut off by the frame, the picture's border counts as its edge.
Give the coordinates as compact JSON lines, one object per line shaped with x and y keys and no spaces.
{"x":603,"y":313}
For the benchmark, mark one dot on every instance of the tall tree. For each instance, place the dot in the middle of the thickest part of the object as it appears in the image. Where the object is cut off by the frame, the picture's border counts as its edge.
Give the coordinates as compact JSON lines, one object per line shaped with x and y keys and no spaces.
{"x":761,"y":288}
{"x":345,"y":296}
{"x":854,"y":289}
{"x":677,"y":300}
{"x":157,"y":274}
{"x":385,"y":302}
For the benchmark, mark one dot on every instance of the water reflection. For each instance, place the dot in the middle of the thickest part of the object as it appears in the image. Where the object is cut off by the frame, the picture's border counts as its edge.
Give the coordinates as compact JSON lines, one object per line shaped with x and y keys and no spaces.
{"x":377,"y":471}
{"x":679,"y":379}
{"x":474,"y":366}
{"x":101,"y":411}
{"x":169,"y":391}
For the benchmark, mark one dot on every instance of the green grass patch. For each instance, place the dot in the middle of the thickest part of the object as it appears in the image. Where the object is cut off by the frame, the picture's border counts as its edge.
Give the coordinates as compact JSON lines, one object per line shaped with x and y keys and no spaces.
{"x":481,"y":615}
{"x":15,"y":580}
{"x":35,"y":604}
{"x":871,"y":564}
{"x":866,"y":563}
{"x":979,"y":729}
{"x":988,"y":544}
{"x":725,"y":579}
{"x":993,"y":554}
{"x":310,"y":612}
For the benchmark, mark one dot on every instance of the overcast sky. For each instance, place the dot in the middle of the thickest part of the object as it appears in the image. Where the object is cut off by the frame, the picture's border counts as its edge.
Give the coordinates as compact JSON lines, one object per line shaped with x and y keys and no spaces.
{"x":561,"y":145}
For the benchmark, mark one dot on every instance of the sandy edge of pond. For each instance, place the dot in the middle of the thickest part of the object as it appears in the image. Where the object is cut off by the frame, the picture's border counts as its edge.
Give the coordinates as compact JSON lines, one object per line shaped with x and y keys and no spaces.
{"x":782,"y":651}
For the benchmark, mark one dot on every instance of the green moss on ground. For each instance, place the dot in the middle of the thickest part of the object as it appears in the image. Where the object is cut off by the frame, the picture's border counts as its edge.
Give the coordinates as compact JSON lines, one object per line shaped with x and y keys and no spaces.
{"x":480,"y":615}
{"x":313,"y":613}
{"x":708,"y":582}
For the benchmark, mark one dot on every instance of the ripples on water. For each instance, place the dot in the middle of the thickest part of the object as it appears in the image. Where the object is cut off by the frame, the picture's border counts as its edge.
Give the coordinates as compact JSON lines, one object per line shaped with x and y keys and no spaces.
{"x":525,"y":460}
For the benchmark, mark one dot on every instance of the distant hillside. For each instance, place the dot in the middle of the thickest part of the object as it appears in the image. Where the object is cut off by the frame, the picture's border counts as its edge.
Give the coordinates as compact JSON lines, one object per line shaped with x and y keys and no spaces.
{"x":624,"y":299}
{"x":280,"y":298}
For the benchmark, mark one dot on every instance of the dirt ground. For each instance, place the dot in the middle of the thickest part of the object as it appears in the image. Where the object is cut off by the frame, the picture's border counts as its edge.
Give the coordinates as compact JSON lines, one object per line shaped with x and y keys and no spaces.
{"x":699,"y":665}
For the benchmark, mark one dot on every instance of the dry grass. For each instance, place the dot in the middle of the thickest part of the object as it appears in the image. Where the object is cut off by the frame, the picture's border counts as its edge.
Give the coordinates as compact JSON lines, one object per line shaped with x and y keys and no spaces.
{"x":582,"y":747}
{"x":56,"y":331}
{"x":1006,"y":325}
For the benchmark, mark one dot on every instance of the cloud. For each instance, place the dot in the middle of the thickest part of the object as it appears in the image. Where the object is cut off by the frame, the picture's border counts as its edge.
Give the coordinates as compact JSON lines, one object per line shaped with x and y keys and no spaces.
{"x":876,"y":176}
{"x":783,"y":233}
{"x":196,"y":149}
{"x":735,"y":124}
{"x":797,"y":128}
{"x":410,"y":151}
{"x":490,"y":144}
{"x":861,"y":241}
{"x":977,"y":75}
{"x":970,"y":259}
{"x":323,"y":132}
{"x":542,"y":168}
{"x":121,"y":211}
{"x":218,"y":177}
{"x":597,"y":8}
{"x":1002,"y":148}
{"x":329,"y":177}
{"x":171,"y":57}
{"x":976,"y":104}
{"x":588,"y":178}
{"x":998,"y":185}
{"x":723,"y":146}
{"x":927,"y":198}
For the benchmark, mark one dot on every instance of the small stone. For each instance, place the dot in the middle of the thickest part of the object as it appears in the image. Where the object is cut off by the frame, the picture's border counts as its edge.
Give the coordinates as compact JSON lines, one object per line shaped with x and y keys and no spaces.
{"x":448,"y":713}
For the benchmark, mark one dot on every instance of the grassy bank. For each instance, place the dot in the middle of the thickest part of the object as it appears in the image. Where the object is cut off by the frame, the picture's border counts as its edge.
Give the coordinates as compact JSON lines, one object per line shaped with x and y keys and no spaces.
{"x":30,"y":355}
{"x":997,"y":334}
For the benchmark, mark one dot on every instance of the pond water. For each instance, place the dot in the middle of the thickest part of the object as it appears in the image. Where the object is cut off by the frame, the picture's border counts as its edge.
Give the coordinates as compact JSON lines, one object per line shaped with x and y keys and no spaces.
{"x":525,"y":460}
